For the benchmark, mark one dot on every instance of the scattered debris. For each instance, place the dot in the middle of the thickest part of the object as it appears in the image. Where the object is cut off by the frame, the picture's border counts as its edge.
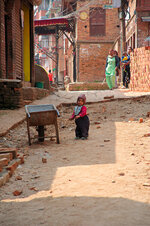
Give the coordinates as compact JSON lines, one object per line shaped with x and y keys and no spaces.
{"x":103,"y":109}
{"x":146,"y":184}
{"x":128,"y":112}
{"x":140,"y":120}
{"x":63,"y":126}
{"x":33,"y":188}
{"x":122,"y":116}
{"x":17,"y":192}
{"x":35,"y":177}
{"x":131,"y":119}
{"x":96,"y":123}
{"x":148,"y":114}
{"x":109,"y":97}
{"x":107,"y":140}
{"x":44,"y":160}
{"x":147,"y":135}
{"x":18,"y":178}
{"x":65,"y":159}
{"x":121,"y":174}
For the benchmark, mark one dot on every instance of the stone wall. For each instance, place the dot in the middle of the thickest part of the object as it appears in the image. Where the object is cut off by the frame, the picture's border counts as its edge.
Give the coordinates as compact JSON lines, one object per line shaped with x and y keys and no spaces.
{"x":32,"y":93}
{"x":86,"y":86}
{"x":140,"y":69}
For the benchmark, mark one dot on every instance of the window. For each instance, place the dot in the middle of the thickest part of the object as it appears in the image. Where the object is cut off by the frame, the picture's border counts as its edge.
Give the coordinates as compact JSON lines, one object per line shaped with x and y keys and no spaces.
{"x":97,"y":21}
{"x":44,"y":5}
{"x":146,"y":3}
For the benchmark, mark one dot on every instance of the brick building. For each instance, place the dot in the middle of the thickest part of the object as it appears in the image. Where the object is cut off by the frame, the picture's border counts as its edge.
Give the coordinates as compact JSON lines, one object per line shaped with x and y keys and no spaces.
{"x":16,"y":50}
{"x":137,"y":35}
{"x":138,"y":25}
{"x":95,"y":32}
{"x":16,"y":40}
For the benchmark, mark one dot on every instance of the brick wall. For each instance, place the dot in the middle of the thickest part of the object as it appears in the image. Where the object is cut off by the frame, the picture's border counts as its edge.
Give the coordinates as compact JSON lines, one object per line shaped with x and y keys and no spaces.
{"x":135,"y":27}
{"x":92,"y":61}
{"x":11,"y":95}
{"x":2,"y":41}
{"x":143,"y":29}
{"x":140,"y":69}
{"x":11,"y":40}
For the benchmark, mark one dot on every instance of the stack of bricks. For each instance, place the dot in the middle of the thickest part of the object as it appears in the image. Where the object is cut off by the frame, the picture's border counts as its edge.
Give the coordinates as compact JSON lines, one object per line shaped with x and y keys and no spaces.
{"x":140,"y":69}
{"x":11,"y":95}
{"x":9,"y":161}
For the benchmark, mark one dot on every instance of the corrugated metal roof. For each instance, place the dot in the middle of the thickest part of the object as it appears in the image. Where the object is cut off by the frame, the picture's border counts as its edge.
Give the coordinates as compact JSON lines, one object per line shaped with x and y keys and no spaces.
{"x":48,"y":26}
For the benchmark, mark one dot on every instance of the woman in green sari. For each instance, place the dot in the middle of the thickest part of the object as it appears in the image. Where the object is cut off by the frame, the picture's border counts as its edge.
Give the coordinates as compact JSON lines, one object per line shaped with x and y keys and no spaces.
{"x":110,"y":69}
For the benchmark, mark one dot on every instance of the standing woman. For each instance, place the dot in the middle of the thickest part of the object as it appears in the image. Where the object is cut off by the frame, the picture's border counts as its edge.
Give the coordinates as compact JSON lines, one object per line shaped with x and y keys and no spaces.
{"x":110,"y":69}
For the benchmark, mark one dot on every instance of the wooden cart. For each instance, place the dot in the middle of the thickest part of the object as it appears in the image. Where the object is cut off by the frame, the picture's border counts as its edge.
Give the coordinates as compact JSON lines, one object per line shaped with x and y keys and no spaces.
{"x":40,"y":116}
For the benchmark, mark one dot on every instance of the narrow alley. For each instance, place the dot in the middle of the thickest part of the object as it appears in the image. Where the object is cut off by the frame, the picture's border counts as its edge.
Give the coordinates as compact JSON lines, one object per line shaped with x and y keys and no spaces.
{"x":102,"y":181}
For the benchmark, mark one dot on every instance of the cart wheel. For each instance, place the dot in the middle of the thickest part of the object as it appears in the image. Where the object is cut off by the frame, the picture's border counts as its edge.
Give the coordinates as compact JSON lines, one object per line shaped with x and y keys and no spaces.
{"x":40,"y":133}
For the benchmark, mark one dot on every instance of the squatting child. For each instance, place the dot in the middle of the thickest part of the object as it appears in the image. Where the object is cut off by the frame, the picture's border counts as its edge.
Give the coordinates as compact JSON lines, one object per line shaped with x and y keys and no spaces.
{"x":81,"y":118}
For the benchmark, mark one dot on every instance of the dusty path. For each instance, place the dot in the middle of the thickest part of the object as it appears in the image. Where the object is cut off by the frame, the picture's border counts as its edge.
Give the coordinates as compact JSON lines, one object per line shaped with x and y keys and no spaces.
{"x":104,"y":181}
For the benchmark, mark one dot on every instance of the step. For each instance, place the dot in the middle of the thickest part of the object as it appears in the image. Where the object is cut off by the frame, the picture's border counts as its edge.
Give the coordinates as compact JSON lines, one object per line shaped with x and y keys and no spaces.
{"x":4,"y":177}
{"x":12,"y":166}
{"x":9,"y":150}
{"x":3,"y":162}
{"x":8,"y":156}
{"x":7,"y":171}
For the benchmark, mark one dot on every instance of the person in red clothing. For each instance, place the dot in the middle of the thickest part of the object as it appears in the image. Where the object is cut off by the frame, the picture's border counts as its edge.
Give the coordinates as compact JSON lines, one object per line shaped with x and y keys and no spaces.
{"x":81,"y":119}
{"x":50,"y":76}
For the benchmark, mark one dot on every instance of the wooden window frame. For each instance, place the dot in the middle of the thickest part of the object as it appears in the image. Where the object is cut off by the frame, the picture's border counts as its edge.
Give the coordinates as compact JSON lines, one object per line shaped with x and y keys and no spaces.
{"x":96,"y":22}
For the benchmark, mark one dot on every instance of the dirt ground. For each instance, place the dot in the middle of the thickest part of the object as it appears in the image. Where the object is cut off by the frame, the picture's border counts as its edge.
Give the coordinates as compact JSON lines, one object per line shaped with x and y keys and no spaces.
{"x":103,"y":181}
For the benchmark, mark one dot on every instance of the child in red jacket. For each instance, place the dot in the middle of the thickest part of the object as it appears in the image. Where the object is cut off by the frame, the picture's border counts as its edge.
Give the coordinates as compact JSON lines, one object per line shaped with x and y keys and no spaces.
{"x":81,"y":119}
{"x":50,"y":76}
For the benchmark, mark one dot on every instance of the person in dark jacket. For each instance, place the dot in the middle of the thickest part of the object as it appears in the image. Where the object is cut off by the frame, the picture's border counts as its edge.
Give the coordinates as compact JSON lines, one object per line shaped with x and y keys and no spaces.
{"x":118,"y":59}
{"x":125,"y":60}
